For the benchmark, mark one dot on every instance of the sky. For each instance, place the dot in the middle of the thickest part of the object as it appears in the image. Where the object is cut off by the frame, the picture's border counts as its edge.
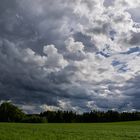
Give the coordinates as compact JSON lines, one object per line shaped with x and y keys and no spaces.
{"x":77,"y":55}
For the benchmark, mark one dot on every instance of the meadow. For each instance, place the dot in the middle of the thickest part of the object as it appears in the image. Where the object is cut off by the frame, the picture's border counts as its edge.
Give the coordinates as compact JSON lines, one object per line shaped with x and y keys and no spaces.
{"x":91,"y":131}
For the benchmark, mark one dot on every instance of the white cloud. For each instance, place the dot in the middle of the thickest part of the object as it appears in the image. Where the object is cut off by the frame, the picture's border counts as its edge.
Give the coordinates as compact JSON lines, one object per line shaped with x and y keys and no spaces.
{"x":54,"y":59}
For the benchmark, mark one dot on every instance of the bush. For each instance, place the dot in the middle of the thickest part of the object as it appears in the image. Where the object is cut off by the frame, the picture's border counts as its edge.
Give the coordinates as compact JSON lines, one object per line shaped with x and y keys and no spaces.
{"x":34,"y":119}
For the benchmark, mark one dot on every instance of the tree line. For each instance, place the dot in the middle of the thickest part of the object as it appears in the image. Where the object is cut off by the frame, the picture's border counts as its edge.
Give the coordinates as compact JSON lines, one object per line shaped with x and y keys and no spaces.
{"x":11,"y":113}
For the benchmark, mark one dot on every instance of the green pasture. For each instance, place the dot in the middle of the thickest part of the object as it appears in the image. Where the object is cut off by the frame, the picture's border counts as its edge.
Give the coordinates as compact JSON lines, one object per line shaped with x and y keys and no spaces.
{"x":91,"y":131}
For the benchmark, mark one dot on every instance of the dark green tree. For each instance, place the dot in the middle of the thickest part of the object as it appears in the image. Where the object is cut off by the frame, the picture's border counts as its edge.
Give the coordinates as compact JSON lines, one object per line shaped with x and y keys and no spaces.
{"x":10,"y":113}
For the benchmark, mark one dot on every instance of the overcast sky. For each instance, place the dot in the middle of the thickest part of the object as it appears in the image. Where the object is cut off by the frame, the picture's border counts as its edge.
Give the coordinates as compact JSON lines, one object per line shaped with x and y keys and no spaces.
{"x":75,"y":55}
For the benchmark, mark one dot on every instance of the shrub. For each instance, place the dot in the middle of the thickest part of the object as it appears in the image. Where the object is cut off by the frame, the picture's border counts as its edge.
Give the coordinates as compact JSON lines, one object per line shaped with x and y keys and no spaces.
{"x":34,"y":119}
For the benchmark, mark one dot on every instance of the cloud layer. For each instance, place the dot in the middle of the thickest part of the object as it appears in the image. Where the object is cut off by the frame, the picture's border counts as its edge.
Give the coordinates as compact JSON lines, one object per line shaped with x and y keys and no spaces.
{"x":70,"y":55}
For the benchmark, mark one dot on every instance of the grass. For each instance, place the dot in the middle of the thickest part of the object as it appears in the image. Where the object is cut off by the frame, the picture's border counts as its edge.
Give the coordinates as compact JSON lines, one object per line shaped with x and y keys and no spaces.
{"x":93,"y":131}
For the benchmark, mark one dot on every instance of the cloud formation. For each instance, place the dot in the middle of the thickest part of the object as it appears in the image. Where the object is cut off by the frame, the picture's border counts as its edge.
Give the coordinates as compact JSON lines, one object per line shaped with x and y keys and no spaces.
{"x":70,"y":55}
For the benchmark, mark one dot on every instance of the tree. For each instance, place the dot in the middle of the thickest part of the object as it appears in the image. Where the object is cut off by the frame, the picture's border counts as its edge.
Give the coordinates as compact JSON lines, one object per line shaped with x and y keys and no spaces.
{"x":10,"y":113}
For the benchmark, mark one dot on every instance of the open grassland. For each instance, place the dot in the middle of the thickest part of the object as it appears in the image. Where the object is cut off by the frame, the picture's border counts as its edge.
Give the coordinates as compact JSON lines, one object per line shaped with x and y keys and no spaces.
{"x":93,"y":131}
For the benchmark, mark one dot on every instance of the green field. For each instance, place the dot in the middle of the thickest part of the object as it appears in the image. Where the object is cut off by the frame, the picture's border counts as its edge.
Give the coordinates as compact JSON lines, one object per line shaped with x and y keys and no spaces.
{"x":93,"y":131}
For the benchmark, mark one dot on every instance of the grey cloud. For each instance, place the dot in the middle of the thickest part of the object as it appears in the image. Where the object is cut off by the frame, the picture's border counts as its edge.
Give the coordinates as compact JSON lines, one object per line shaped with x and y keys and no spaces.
{"x":60,"y":55}
{"x":86,"y":40}
{"x":135,"y":39}
{"x":108,"y":3}
{"x":132,"y":90}
{"x":135,"y":14}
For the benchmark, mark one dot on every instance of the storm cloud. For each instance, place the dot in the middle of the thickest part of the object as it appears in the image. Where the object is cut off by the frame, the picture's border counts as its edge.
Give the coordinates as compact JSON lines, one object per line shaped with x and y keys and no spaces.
{"x":70,"y":55}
